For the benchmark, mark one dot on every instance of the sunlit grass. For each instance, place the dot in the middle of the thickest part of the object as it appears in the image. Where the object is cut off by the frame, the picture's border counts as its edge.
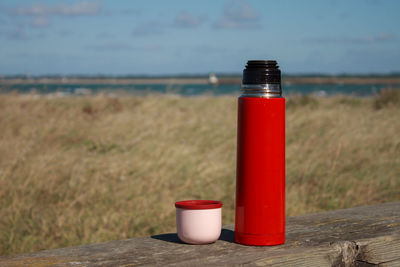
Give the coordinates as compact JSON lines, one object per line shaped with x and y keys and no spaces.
{"x":89,"y":169}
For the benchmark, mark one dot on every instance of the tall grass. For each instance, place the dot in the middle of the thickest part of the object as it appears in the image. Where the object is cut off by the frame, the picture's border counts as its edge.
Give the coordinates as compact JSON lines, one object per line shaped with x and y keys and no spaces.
{"x":89,"y":169}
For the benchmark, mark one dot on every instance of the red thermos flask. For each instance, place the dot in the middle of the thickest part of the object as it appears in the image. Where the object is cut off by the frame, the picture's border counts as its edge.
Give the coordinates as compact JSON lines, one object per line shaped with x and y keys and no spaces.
{"x":260,"y":180}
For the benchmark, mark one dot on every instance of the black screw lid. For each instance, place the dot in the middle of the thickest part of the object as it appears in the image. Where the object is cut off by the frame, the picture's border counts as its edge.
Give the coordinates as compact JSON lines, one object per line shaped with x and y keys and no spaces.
{"x":261,"y":72}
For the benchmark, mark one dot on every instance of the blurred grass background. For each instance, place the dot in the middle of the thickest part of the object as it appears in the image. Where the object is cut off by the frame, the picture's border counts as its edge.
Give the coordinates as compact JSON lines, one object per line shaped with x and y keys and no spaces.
{"x":89,"y":169}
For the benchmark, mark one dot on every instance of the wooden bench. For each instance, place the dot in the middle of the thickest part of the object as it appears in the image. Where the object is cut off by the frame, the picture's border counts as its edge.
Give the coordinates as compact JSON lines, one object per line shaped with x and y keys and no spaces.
{"x":361,"y":236}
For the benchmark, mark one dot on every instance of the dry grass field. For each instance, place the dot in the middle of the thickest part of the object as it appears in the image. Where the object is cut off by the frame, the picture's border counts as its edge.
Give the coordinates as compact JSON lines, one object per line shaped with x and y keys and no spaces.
{"x":80,"y":170}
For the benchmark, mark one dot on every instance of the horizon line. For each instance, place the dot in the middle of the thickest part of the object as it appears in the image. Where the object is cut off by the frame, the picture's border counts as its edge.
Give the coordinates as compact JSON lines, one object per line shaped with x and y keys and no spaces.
{"x":194,"y":75}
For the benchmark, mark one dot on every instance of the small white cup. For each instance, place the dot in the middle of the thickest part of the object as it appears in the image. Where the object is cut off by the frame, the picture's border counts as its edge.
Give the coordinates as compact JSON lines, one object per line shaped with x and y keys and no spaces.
{"x":198,"y":221}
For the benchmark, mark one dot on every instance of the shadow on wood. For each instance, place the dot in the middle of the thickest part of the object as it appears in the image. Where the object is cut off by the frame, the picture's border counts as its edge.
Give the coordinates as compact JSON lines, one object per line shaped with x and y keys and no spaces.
{"x":226,"y":235}
{"x":171,"y":237}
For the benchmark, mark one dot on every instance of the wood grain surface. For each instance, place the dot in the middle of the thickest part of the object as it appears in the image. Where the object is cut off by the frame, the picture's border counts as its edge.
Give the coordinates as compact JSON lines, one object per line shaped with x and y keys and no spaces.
{"x":361,"y":236}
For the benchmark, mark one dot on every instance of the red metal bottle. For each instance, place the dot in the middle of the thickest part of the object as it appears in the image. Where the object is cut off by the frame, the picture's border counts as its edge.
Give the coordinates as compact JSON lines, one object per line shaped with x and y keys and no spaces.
{"x":260,"y":181}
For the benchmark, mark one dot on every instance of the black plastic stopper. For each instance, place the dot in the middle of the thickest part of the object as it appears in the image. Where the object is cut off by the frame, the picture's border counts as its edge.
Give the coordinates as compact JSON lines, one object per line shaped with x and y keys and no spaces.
{"x":261,"y":72}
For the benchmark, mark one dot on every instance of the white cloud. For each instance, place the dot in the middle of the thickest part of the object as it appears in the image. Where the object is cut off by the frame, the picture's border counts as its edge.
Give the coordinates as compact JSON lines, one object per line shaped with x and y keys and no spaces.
{"x":41,"y":13}
{"x":188,"y":20}
{"x":240,"y":11}
{"x":82,"y":8}
{"x":40,"y":22}
{"x":238,"y":14}
{"x":354,"y":40}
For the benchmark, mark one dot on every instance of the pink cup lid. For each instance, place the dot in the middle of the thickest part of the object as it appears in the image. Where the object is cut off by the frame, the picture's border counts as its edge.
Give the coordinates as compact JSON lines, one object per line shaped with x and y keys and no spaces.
{"x":198,"y":204}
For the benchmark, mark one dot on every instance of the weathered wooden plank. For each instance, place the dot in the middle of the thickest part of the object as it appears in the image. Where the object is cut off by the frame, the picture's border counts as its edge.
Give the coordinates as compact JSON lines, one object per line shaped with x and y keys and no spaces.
{"x":380,"y":249}
{"x":363,"y":236}
{"x":395,"y":263}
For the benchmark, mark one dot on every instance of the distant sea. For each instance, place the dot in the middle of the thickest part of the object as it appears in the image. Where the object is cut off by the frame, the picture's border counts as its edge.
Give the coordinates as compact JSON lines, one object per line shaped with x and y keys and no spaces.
{"x":360,"y":90}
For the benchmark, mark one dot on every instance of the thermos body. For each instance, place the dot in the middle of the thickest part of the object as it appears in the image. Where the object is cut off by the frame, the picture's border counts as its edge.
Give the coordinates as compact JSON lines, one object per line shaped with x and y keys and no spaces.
{"x":260,"y":180}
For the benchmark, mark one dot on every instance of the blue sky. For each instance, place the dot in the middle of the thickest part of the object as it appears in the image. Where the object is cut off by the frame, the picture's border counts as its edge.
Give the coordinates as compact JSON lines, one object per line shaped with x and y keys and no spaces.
{"x":175,"y":37}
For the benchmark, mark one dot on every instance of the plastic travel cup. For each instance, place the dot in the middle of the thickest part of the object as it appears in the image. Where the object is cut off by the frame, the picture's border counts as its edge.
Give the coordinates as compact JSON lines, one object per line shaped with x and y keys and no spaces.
{"x":198,"y":221}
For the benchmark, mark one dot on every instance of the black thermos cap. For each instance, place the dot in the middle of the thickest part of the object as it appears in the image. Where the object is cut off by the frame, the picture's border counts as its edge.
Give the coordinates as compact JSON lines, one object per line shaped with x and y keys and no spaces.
{"x":261,"y":72}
